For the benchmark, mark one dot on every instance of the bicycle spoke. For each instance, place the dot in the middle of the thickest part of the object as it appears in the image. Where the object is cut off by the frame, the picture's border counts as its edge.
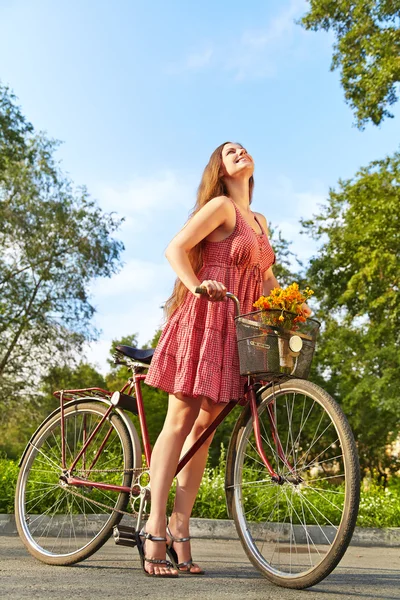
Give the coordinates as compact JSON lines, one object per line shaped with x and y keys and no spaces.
{"x":60,"y":520}
{"x":325,"y":498}
{"x":314,"y":460}
{"x":329,"y":491}
{"x":257,"y":482}
{"x":302,"y":514}
{"x":318,"y":438}
{"x":47,"y":459}
{"x":308,"y":501}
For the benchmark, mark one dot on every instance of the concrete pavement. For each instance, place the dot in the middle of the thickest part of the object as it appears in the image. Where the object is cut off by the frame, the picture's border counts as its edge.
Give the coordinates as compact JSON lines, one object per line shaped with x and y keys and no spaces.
{"x":114,"y":572}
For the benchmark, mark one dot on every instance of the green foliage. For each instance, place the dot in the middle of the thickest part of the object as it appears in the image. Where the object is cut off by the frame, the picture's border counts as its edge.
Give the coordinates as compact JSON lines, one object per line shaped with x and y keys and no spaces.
{"x":8,"y":479}
{"x":367,"y":51}
{"x":379,"y":507}
{"x":14,"y":130}
{"x":17,"y":426}
{"x":154,"y":340}
{"x":210,"y":501}
{"x":283,"y":269}
{"x":54,"y":240}
{"x":356,"y":279}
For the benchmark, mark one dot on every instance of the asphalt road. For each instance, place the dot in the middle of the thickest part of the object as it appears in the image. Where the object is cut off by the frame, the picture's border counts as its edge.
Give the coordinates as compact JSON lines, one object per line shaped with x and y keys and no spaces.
{"x":114,"y":572}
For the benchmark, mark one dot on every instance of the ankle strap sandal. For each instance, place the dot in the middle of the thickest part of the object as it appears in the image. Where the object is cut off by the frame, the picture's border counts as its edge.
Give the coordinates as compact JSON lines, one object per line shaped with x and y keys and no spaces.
{"x":183,"y":567}
{"x":153,"y":561}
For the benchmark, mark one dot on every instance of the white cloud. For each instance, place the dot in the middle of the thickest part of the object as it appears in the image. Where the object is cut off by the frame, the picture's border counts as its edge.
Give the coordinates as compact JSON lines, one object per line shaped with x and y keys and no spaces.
{"x":137,"y":276}
{"x":129,"y":302}
{"x":139,"y":199}
{"x":140,"y":315}
{"x":194,"y":61}
{"x":258,"y":52}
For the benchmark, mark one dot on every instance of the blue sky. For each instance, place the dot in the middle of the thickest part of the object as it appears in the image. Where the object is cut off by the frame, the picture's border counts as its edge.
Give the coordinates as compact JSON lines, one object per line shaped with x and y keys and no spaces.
{"x":141,"y":93}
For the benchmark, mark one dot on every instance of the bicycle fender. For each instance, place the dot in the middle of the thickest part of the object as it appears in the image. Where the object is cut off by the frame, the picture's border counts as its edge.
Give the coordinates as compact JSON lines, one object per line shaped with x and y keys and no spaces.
{"x":137,"y":452}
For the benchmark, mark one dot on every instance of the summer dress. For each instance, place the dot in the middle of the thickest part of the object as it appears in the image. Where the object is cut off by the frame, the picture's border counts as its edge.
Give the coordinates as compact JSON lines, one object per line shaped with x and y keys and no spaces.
{"x":197,"y":351}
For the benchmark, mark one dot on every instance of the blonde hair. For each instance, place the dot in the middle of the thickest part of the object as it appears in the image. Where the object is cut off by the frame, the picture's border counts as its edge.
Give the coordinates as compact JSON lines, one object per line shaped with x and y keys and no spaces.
{"x":211,"y":186}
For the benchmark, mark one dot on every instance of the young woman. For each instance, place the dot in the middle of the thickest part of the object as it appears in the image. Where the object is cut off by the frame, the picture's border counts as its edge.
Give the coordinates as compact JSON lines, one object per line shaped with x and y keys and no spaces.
{"x":223,"y":247}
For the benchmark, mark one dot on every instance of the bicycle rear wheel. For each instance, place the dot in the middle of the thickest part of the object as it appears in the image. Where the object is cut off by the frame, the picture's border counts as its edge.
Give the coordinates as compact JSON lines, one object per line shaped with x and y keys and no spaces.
{"x":61,"y":524}
{"x":295,"y":532}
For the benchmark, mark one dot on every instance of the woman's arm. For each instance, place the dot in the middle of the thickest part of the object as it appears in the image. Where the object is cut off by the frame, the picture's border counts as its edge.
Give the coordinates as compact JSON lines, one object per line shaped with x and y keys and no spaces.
{"x":212,"y":215}
{"x":269,"y":282}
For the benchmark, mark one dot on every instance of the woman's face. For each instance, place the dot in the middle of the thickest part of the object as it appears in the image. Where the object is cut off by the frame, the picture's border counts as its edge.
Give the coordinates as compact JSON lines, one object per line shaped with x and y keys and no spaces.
{"x":236,"y":161}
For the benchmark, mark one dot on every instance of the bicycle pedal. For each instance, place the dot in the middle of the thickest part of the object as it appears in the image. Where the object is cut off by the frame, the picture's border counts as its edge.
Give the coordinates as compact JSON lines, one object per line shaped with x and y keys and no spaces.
{"x":124,"y":536}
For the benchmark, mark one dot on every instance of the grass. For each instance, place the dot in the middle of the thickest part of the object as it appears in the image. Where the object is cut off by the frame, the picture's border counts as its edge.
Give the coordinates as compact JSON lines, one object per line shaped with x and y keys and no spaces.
{"x":379,"y":507}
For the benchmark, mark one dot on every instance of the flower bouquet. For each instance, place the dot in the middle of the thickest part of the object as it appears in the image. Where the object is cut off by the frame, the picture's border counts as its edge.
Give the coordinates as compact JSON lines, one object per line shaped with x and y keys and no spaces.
{"x":283,"y":308}
{"x":285,"y":305}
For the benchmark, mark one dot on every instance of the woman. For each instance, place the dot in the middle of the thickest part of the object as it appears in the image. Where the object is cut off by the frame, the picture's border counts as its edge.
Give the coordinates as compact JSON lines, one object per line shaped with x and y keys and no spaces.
{"x":223,"y":247}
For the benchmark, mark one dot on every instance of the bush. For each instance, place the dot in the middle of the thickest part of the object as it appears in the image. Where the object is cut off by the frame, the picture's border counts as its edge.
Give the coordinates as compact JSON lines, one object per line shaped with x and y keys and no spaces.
{"x":8,"y":479}
{"x":379,"y":507}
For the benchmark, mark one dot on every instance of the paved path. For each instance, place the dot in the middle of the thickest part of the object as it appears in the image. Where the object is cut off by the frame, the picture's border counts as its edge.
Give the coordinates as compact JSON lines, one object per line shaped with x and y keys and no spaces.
{"x":114,"y":572}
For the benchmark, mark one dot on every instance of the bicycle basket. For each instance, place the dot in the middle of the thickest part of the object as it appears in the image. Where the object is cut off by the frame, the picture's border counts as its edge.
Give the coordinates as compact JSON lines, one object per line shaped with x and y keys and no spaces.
{"x":268,"y":349}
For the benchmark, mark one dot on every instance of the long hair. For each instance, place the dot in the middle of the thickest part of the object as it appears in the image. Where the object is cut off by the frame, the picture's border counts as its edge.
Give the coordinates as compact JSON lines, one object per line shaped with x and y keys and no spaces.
{"x":211,"y":185}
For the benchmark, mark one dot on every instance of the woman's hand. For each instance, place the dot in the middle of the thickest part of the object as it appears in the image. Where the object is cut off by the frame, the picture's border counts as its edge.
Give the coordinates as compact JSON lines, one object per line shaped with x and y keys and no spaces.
{"x":306,"y":310}
{"x":215,"y":290}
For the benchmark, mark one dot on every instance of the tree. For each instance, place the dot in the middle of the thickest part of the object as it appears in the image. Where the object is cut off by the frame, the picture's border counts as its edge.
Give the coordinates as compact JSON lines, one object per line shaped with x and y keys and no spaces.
{"x":54,"y":240}
{"x":14,"y":130}
{"x":367,"y":51}
{"x":356,"y":277}
{"x":283,"y":268}
{"x":19,"y":424}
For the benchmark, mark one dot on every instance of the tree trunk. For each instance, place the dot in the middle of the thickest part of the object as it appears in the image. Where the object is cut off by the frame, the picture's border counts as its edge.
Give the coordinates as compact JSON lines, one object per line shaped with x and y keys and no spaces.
{"x":18,"y":334}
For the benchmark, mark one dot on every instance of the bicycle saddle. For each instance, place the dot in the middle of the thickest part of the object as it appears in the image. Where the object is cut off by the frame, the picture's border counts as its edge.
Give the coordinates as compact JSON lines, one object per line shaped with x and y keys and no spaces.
{"x":143,"y":356}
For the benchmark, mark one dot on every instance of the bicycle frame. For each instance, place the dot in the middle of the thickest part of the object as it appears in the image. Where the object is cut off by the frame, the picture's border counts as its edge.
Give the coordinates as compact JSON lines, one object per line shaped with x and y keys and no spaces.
{"x":134,"y":384}
{"x":250,"y":396}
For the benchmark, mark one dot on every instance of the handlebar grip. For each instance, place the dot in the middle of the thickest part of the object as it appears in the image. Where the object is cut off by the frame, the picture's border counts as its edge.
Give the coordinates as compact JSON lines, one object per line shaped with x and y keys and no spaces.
{"x":201,"y":290}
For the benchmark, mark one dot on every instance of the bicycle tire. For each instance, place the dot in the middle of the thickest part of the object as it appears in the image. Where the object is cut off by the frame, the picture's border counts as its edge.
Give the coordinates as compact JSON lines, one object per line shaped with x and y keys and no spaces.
{"x":297,"y":543}
{"x":47,"y":541}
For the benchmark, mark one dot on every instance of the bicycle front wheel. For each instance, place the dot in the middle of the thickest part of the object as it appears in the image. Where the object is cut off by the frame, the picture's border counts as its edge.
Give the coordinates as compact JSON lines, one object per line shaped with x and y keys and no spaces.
{"x":62,"y":524}
{"x":295,"y":532}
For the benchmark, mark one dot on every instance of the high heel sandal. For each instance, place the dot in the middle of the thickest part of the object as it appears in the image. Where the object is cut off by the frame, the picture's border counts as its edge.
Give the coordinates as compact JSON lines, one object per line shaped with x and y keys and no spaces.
{"x":183,"y":567}
{"x":153,"y":561}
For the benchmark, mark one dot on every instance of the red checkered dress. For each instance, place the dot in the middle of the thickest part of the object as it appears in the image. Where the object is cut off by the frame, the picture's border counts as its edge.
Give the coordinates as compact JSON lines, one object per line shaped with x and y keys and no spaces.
{"x":197,"y":352}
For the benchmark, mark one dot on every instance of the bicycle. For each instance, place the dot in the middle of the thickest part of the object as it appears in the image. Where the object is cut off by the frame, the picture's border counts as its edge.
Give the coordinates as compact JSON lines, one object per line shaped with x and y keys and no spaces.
{"x":294,"y":512}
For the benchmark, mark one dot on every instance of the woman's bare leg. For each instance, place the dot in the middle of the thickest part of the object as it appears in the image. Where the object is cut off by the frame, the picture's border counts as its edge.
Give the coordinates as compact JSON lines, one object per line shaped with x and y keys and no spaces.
{"x":189,"y":479}
{"x":181,"y":415}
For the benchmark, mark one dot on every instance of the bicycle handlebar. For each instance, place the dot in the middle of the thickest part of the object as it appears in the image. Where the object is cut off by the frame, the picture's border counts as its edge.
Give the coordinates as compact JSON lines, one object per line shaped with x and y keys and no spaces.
{"x":203,"y":291}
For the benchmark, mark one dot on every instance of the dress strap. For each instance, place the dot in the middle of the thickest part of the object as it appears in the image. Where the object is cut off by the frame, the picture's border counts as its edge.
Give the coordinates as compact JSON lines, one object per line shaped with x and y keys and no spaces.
{"x":259,"y":224}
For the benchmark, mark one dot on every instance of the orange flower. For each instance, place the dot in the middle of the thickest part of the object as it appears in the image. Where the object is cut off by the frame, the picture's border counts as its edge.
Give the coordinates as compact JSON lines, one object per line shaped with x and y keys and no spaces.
{"x":288,"y":301}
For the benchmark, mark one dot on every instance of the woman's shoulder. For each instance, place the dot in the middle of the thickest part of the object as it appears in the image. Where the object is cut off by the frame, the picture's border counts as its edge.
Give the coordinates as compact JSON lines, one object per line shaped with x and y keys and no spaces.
{"x":219,"y":201}
{"x":220,"y":204}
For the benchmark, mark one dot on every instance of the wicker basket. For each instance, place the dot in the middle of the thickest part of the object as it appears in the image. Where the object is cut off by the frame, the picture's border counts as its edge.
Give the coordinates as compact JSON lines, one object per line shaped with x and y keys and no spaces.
{"x":268,"y":351}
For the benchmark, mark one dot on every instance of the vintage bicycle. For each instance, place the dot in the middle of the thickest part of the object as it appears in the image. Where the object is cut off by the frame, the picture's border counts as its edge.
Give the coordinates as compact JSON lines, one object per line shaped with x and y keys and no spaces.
{"x":292,"y":474}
